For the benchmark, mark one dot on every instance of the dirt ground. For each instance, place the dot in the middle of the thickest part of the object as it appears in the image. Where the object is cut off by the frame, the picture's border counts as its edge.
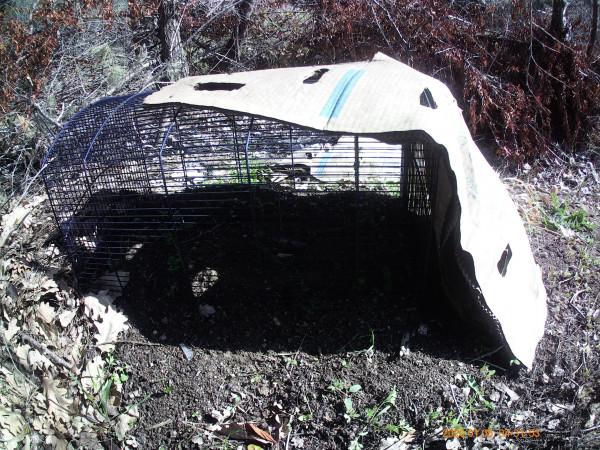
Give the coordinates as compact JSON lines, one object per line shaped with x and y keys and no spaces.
{"x":317,"y":359}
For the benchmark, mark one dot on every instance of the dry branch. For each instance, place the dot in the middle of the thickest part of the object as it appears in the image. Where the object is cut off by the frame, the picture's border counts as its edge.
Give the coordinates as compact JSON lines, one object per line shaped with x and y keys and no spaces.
{"x":46,"y":351}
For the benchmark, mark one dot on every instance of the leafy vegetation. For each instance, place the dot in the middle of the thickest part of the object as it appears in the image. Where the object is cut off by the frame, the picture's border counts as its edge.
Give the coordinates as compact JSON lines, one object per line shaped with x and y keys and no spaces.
{"x":559,"y":216}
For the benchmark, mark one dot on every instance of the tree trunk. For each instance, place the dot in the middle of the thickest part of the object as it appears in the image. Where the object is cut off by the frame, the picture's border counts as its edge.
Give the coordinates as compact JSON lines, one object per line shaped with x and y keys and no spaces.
{"x":243,"y":10}
{"x":557,"y":23}
{"x":172,"y":53}
{"x":594,"y":31}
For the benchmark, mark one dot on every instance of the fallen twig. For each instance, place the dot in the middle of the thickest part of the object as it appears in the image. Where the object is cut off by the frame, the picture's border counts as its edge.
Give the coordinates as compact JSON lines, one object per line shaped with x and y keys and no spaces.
{"x":575,"y":295}
{"x":45,"y":350}
{"x":160,"y":424}
{"x":458,"y":408}
{"x":479,"y":358}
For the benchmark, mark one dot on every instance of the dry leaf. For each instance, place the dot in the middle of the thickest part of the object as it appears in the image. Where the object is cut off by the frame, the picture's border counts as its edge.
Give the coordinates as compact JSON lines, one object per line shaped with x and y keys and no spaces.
{"x":22,"y":352}
{"x":95,"y":304}
{"x":243,"y":431}
{"x":19,"y":389}
{"x":88,"y":440}
{"x":93,"y":371}
{"x":263,"y":435}
{"x":66,"y":317}
{"x":46,"y":312}
{"x":12,"y":329}
{"x":125,"y":423}
{"x":57,"y":443}
{"x":112,"y":324}
{"x":73,"y":352}
{"x":12,"y":220}
{"x":41,"y":423}
{"x":49,"y":287}
{"x":12,"y":426}
{"x":59,"y":405}
{"x":38,"y":361}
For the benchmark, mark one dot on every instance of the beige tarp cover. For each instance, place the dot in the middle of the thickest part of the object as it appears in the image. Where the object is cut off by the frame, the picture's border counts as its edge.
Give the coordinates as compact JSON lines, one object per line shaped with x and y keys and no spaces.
{"x":383,"y":96}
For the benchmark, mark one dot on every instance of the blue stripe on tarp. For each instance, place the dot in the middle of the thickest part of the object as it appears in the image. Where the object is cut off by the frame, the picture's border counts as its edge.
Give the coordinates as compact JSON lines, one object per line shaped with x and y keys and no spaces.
{"x":340,"y":94}
{"x":323,"y":163}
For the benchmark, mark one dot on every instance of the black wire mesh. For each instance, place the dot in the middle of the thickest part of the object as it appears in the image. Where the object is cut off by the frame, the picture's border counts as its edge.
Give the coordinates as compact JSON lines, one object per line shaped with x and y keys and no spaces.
{"x":246,"y":192}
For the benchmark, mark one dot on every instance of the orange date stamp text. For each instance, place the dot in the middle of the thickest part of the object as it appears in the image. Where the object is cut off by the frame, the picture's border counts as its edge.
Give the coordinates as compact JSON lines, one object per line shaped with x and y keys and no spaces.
{"x":488,"y":432}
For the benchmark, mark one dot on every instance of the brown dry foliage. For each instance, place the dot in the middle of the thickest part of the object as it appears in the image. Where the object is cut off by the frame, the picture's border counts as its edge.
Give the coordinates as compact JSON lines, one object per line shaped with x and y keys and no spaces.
{"x":25,"y":54}
{"x":515,"y":82}
{"x":514,"y":79}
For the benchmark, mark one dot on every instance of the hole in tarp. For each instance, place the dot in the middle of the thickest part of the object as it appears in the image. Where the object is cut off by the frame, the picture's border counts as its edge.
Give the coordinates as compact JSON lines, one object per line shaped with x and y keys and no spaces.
{"x":427,"y":99}
{"x":316,"y":76}
{"x":504,"y":260}
{"x":218,"y":86}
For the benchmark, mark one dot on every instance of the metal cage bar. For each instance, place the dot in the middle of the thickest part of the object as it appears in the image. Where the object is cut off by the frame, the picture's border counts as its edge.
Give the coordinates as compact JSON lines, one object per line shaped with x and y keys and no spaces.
{"x":122,"y":175}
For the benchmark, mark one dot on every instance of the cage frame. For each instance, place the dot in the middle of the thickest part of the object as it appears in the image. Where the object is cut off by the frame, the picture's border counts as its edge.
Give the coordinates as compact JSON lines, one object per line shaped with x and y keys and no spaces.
{"x":418,"y":154}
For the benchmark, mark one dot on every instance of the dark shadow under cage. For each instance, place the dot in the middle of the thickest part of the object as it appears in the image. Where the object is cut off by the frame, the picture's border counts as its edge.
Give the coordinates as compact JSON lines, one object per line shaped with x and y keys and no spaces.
{"x":206,"y":187}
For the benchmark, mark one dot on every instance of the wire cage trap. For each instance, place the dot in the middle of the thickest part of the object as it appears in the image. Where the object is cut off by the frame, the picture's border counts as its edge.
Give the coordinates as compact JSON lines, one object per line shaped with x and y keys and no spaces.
{"x":251,"y":193}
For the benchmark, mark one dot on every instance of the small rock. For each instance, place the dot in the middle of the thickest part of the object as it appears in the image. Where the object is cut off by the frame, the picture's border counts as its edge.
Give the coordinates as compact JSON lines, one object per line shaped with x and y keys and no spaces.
{"x":206,"y":310}
{"x":545,"y":378}
{"x":187,"y":352}
{"x":297,"y":442}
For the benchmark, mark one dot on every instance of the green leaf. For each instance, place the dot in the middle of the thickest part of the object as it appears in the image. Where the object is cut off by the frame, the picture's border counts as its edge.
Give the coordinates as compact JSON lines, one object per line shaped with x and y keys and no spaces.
{"x":348,"y":404}
{"x":391,"y":398}
{"x":371,"y":412}
{"x":355,"y":388}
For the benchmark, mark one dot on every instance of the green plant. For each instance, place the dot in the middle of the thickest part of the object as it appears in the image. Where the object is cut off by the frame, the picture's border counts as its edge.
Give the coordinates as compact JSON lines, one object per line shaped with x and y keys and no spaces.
{"x":371,"y":349}
{"x":113,"y":375}
{"x":350,"y":413}
{"x":374,"y":413}
{"x":480,"y":397}
{"x":452,"y":422}
{"x":224,"y":445}
{"x":432,"y":417}
{"x":402,"y":427}
{"x":558,"y":216}
{"x":336,"y":385}
{"x":355,"y":443}
{"x":290,"y":361}
{"x":487,"y":371}
{"x":100,"y":395}
{"x":474,"y":400}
